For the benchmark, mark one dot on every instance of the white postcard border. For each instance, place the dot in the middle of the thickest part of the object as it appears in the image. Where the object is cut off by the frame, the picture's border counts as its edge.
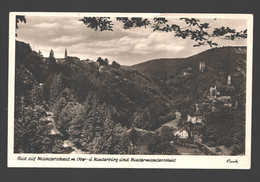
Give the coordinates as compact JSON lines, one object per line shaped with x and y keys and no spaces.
{"x":135,"y":161}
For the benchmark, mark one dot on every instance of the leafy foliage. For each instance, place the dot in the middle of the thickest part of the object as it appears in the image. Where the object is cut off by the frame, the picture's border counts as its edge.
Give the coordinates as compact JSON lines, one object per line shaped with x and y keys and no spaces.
{"x":115,"y":65}
{"x":19,"y":18}
{"x":31,"y":127}
{"x":133,"y":22}
{"x":32,"y":132}
{"x":160,"y":143}
{"x":102,"y":62}
{"x":98,"y":23}
{"x":195,"y":30}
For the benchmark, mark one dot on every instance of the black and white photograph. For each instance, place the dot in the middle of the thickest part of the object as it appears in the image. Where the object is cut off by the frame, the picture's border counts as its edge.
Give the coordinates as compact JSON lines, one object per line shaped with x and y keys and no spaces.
{"x":156,"y":90}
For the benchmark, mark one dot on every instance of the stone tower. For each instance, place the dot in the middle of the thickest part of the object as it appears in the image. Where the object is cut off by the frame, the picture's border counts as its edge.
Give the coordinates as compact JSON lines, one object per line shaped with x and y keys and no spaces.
{"x":202,"y":66}
{"x":66,"y":54}
{"x":229,"y":80}
{"x":51,"y":54}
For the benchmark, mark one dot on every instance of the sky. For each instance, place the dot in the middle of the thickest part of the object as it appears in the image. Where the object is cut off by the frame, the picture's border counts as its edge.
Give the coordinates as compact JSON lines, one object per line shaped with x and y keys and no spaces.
{"x":127,"y":47}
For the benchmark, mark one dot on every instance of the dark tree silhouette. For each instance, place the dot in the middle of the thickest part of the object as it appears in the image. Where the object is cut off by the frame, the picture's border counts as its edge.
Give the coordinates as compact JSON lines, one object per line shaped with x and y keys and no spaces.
{"x":19,"y":18}
{"x":195,"y":29}
{"x":115,"y":65}
{"x":102,"y":61}
{"x":98,"y":23}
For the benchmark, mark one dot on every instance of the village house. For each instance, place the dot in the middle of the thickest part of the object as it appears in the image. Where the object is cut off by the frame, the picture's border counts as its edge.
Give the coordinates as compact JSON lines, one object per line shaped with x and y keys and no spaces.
{"x":182,"y":134}
{"x":187,"y":71}
{"x":194,"y":119}
{"x":102,"y":69}
{"x":224,"y":101}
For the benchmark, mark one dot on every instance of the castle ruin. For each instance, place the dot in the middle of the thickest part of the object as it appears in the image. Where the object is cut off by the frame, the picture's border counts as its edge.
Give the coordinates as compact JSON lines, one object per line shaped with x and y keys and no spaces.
{"x":202,"y":66}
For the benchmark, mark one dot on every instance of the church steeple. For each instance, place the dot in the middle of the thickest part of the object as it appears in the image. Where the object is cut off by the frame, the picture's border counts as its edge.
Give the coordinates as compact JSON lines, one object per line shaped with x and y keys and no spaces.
{"x":66,"y":54}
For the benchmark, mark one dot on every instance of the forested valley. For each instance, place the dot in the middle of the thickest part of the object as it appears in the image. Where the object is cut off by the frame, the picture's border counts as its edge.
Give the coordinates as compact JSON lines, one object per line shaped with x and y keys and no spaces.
{"x":104,"y":108}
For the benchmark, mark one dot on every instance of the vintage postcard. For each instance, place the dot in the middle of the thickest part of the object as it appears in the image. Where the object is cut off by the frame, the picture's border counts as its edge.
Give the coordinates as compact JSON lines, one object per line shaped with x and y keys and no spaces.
{"x":130,"y":90}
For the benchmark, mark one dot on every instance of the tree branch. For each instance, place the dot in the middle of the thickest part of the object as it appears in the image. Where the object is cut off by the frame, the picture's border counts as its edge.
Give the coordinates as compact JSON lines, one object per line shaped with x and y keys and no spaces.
{"x":199,"y":32}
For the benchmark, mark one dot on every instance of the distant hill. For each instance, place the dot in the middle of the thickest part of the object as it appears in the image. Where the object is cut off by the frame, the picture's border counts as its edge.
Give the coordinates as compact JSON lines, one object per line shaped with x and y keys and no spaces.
{"x":170,"y":67}
{"x":182,"y":81}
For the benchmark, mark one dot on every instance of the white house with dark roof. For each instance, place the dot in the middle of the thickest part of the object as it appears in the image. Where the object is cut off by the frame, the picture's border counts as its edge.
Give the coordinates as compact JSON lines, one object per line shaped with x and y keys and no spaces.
{"x":182,"y":133}
{"x":194,"y":119}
